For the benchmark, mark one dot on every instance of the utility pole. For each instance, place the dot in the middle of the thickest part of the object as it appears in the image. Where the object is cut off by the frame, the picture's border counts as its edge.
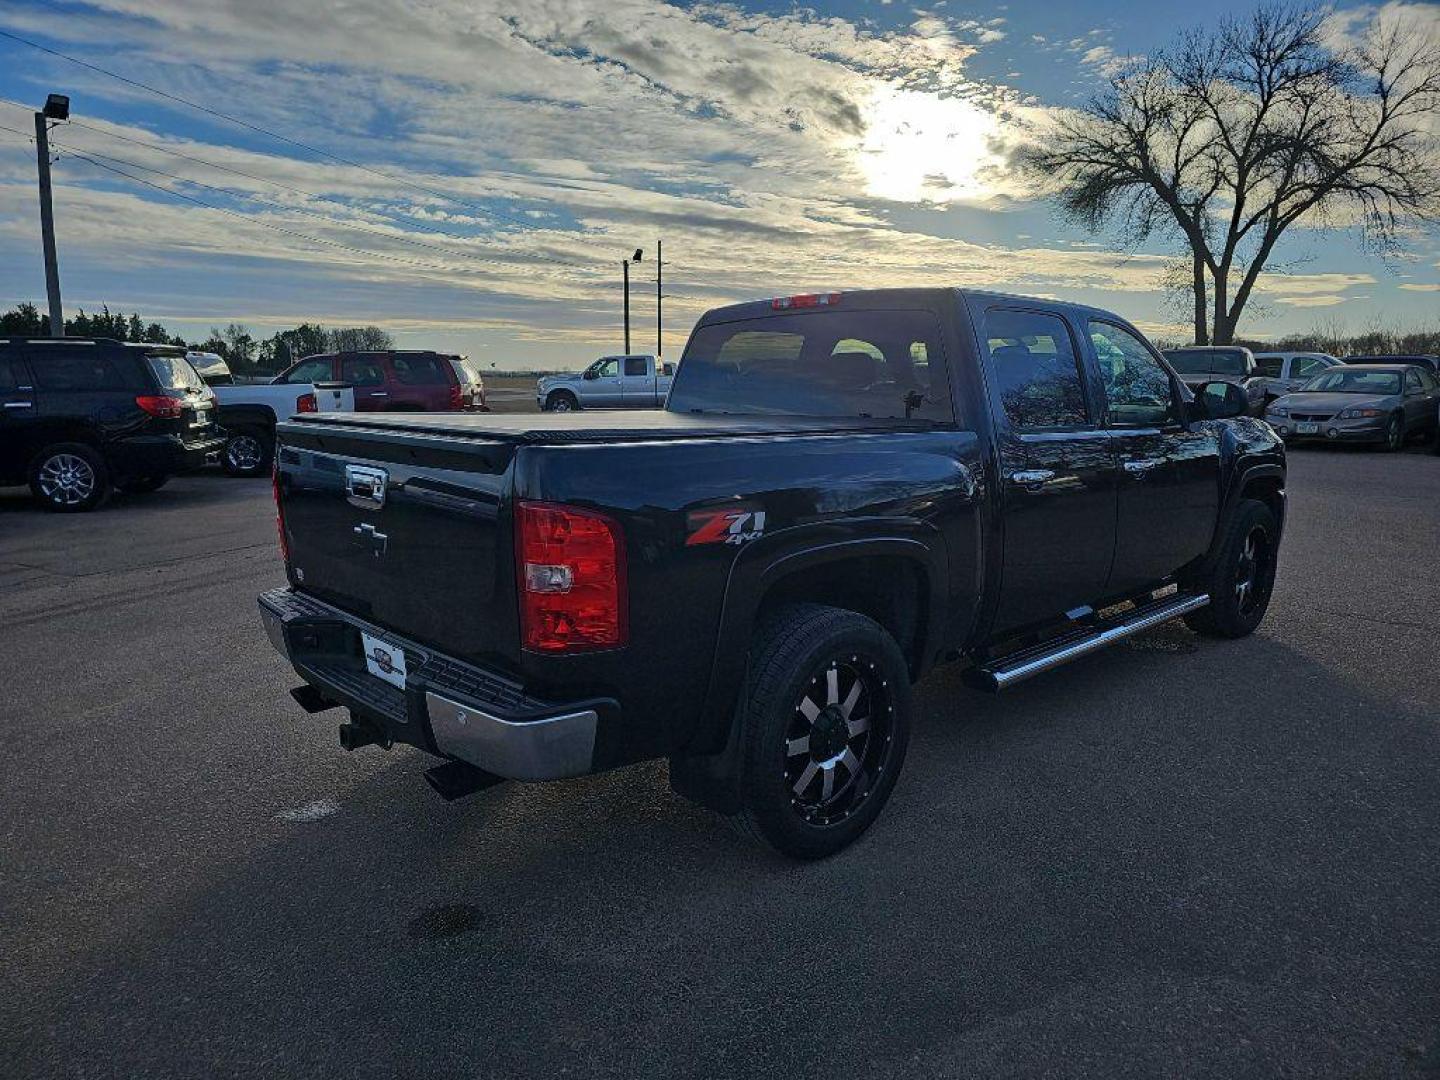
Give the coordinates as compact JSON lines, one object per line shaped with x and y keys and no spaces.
{"x":625,"y":268}
{"x":659,"y":300}
{"x":57,"y":107}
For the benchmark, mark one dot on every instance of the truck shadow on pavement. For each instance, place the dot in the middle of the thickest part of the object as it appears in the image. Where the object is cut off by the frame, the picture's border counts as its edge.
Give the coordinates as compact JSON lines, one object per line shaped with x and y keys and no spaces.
{"x":1145,"y":862}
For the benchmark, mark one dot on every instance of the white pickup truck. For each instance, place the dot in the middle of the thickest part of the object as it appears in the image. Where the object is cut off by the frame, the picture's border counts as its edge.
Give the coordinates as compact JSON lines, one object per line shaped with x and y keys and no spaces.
{"x":248,"y":412}
{"x":612,"y":382}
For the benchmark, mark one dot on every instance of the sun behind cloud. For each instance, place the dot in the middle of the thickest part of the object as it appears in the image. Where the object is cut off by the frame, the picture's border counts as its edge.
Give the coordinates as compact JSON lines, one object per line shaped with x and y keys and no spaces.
{"x":921,"y":147}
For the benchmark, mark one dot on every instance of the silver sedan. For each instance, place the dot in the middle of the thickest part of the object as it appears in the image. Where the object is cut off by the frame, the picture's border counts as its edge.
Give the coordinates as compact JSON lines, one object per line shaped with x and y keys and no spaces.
{"x":1384,"y":404}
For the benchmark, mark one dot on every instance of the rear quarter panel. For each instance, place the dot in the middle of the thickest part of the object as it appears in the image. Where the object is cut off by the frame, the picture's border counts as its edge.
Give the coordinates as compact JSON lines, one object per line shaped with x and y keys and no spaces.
{"x":915,"y":488}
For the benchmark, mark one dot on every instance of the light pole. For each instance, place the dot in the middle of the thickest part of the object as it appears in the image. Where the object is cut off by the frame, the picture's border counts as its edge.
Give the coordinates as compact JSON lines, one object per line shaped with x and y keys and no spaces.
{"x":659,"y":325}
{"x":57,"y":108}
{"x":625,"y":269}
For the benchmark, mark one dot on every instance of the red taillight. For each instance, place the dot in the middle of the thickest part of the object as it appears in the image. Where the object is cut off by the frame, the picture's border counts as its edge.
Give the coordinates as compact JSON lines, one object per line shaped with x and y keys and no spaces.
{"x":570,"y":567}
{"x":279,"y":514}
{"x":781,"y":303}
{"x":457,"y":396}
{"x":161,"y":405}
{"x":306,"y":403}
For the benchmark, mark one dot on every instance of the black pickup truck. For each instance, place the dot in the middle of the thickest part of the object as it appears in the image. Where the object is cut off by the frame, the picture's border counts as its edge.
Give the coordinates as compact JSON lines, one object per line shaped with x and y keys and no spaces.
{"x":843,"y":491}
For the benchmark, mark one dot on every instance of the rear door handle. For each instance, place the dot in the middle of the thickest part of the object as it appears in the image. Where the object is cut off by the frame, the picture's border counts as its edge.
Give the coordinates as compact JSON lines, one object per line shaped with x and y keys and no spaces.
{"x":1142,"y":468}
{"x":19,"y":404}
{"x":379,"y":393}
{"x":1032,"y":479}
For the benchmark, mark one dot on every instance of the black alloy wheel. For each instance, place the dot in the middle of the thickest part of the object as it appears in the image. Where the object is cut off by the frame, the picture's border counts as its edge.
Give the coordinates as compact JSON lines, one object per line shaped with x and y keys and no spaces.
{"x":824,"y":725}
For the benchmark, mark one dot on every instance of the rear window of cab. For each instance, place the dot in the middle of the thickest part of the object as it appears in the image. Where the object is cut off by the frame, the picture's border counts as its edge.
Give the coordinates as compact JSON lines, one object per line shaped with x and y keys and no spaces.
{"x":861,"y":364}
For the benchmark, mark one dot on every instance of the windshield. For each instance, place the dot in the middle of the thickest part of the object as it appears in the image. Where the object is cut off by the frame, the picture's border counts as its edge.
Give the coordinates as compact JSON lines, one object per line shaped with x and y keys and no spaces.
{"x":1207,"y":361}
{"x":1341,"y":381}
{"x":866,"y":364}
{"x":175,"y":373}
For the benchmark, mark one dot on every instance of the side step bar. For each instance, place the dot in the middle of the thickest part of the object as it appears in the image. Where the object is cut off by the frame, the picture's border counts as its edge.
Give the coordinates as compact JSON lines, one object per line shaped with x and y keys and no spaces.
{"x":1005,"y":671}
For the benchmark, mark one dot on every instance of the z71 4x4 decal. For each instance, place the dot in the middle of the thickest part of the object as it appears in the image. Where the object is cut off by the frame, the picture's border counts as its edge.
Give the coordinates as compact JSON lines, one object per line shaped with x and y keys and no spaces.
{"x":733,"y":524}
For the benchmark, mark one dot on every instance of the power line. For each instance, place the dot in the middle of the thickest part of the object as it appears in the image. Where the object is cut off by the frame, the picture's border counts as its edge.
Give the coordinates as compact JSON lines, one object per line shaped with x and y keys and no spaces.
{"x":266,"y":131}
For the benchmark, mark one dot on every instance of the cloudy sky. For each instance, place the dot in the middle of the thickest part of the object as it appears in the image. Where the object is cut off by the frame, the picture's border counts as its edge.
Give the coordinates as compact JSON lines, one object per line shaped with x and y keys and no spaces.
{"x":470,"y":173}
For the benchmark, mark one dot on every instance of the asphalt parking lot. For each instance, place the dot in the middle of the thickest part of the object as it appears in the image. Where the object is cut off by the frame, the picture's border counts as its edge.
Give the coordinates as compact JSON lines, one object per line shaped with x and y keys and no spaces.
{"x":1179,"y":858}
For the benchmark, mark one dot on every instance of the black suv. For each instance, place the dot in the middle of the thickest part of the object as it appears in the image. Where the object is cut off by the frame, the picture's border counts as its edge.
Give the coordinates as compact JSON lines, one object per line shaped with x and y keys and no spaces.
{"x":80,"y":415}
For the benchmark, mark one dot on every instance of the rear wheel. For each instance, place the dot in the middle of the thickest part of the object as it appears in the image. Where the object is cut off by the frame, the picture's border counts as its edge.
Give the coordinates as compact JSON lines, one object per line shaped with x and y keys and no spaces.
{"x":141,"y":485}
{"x":1241,"y":576}
{"x":561,"y":401}
{"x":825,"y":720}
{"x":248,"y":452}
{"x":70,"y":477}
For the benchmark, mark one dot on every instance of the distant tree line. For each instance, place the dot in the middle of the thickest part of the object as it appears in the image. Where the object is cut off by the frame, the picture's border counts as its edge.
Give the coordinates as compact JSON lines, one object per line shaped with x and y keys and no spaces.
{"x":1332,"y":338}
{"x":235,"y":343}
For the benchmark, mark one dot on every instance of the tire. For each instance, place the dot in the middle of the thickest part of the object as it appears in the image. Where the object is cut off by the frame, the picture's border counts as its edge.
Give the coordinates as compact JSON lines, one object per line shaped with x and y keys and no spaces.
{"x":789,"y":696}
{"x":1248,"y":547}
{"x":141,"y":485}
{"x":1394,"y":435}
{"x":248,"y":452}
{"x":562,"y":401}
{"x":70,"y":478}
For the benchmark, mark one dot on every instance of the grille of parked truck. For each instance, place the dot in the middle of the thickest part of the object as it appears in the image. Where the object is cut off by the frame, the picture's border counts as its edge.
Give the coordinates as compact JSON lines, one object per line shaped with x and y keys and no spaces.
{"x":842,"y":491}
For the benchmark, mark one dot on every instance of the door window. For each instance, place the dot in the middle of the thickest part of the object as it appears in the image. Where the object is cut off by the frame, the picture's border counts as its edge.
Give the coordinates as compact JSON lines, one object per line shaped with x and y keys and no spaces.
{"x":75,"y":369}
{"x":636,"y":365}
{"x":317,"y":369}
{"x":1269,"y":366}
{"x":361,"y":371}
{"x":1138,"y":390}
{"x":607,"y":369}
{"x":1303,"y":367}
{"x":1036,"y":370}
{"x":1412,"y":382}
{"x":10,"y":374}
{"x":421,"y":370}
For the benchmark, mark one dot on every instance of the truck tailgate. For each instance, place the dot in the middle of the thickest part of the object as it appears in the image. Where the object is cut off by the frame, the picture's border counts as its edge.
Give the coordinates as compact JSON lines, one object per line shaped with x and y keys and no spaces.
{"x":404,"y":530}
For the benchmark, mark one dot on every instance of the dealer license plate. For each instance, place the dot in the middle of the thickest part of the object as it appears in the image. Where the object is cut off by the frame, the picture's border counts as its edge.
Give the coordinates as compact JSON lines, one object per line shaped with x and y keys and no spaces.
{"x":1307,"y":429}
{"x":383,"y":660}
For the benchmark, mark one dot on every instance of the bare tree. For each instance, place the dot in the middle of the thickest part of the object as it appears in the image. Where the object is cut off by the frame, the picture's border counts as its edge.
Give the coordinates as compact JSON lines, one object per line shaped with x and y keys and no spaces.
{"x":360,"y":339}
{"x":1235,"y":134}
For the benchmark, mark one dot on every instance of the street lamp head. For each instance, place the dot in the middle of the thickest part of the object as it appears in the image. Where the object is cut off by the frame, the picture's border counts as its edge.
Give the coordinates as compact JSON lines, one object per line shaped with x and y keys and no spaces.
{"x":639,"y":253}
{"x":57,"y":107}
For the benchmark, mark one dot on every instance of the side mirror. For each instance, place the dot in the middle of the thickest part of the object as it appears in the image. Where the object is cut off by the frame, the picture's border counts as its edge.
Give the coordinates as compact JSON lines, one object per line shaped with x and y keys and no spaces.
{"x":590,"y":373}
{"x":1219,"y":401}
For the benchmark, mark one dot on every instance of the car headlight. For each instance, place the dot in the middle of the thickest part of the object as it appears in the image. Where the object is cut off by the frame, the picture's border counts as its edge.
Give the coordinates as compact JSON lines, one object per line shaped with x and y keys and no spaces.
{"x":1359,"y":414}
{"x":1279,"y":410}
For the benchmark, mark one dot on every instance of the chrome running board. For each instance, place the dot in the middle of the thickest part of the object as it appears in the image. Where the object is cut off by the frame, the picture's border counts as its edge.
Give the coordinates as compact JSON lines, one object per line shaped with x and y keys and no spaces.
{"x":1005,"y":671}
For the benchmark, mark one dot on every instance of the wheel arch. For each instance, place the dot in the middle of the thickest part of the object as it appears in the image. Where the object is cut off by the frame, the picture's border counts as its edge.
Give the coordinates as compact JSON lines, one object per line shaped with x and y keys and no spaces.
{"x":246,"y":416}
{"x":896,"y":577}
{"x":814,"y":566}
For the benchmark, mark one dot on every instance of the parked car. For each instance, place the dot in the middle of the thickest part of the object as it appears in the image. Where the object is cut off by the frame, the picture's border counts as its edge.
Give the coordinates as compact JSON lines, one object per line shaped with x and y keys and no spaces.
{"x":248,"y":411}
{"x":1284,"y":372}
{"x":80,"y":416}
{"x":840,"y":493}
{"x":612,"y":382}
{"x":397,"y":380}
{"x":1198,"y":364}
{"x":1430,"y":363}
{"x":1374,"y":403}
